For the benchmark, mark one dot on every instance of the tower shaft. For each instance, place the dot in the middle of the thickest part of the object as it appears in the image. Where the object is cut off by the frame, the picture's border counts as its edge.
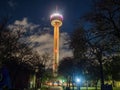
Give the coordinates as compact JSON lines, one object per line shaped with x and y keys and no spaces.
{"x":56,"y":49}
{"x":56,"y":22}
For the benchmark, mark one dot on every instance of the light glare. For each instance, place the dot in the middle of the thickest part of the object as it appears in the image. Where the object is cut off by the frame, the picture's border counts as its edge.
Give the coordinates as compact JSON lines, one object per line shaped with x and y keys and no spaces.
{"x":78,"y":80}
{"x":56,"y":14}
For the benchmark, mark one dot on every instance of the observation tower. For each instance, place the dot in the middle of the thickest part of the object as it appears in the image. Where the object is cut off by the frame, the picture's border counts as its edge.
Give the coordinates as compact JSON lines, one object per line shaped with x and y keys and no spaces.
{"x":56,"y":21}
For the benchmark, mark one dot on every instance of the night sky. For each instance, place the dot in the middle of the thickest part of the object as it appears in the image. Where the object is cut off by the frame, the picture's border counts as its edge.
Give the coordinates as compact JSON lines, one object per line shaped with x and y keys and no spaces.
{"x":34,"y":16}
{"x":38,"y":11}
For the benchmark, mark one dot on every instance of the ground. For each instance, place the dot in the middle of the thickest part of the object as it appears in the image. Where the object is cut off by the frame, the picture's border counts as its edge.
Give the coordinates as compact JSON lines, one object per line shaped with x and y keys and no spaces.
{"x":83,"y":88}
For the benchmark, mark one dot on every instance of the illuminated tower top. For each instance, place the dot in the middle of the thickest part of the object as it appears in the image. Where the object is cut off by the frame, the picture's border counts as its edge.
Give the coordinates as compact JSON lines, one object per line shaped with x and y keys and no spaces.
{"x":56,"y":18}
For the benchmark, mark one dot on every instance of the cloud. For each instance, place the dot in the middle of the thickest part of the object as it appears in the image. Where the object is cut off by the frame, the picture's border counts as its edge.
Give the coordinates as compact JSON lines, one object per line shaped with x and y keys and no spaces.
{"x":24,"y":21}
{"x":42,"y":42}
{"x":25,"y":26}
{"x":64,"y":47}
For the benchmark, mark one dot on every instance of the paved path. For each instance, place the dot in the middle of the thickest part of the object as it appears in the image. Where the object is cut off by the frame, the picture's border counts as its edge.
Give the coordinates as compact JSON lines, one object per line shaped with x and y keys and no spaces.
{"x":56,"y":88}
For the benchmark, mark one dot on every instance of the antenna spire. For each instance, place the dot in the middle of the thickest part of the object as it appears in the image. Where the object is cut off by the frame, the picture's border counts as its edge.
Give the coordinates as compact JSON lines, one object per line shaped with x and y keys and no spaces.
{"x":56,"y":8}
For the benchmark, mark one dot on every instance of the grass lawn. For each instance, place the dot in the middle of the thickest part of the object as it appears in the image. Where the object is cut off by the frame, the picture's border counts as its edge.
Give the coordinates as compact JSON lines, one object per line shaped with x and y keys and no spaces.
{"x":116,"y":88}
{"x":82,"y":88}
{"x":93,"y":88}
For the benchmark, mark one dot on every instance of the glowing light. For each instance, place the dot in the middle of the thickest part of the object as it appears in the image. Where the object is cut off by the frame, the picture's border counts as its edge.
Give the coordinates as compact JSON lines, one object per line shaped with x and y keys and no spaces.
{"x":55,"y":50}
{"x":56,"y":15}
{"x":78,"y":80}
{"x":56,"y":21}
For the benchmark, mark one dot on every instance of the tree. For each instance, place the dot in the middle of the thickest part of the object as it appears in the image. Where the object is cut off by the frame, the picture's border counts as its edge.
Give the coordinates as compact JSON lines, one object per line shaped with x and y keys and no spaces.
{"x":87,"y":53}
{"x":64,"y":69}
{"x":78,"y":43}
{"x":104,"y":32}
{"x":105,"y":24}
{"x":105,"y":21}
{"x":79,"y":47}
{"x":106,"y":14}
{"x":112,"y":69}
{"x":115,"y":64}
{"x":13,"y":54}
{"x":64,"y":66}
{"x":18,"y":57}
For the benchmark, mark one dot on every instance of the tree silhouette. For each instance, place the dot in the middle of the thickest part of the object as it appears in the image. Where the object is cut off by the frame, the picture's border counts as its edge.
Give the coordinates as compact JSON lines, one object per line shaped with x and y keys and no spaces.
{"x":104,"y":31}
{"x":19,"y":58}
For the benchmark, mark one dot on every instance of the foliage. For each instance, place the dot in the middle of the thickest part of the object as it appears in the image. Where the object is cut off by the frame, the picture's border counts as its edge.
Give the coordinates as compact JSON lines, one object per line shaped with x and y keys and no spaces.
{"x":78,"y":42}
{"x":20,"y":59}
{"x":112,"y":69}
{"x":101,"y":41}
{"x":65,"y":65}
{"x":105,"y":32}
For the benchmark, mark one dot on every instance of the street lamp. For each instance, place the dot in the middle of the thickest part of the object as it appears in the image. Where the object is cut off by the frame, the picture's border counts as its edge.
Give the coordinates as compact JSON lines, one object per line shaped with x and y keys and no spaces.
{"x":78,"y":81}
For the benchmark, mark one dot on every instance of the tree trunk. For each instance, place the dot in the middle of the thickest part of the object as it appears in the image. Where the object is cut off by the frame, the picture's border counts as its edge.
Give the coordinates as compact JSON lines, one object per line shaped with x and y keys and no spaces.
{"x":113,"y":83}
{"x":101,"y":73}
{"x":72,"y":84}
{"x":96,"y":84}
{"x":86,"y":85}
{"x":99,"y":56}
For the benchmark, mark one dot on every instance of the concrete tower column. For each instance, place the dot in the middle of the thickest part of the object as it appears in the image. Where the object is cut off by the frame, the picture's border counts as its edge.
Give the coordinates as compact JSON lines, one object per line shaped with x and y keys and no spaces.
{"x":56,"y":22}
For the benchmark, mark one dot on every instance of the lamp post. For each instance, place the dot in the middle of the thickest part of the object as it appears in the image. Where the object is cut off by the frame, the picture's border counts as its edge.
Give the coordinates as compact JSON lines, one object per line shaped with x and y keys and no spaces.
{"x":36,"y":70}
{"x":63,"y":84}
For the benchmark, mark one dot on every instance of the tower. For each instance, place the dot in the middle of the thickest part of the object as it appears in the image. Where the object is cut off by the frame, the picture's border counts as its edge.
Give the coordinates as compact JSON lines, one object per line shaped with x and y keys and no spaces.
{"x":56,"y":21}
